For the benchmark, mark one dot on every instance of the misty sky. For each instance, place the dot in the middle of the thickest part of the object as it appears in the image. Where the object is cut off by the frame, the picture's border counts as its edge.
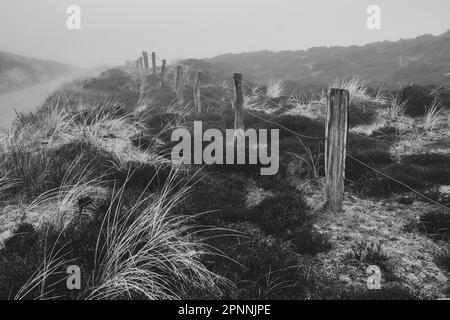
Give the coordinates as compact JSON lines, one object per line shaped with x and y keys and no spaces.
{"x":114,"y":30}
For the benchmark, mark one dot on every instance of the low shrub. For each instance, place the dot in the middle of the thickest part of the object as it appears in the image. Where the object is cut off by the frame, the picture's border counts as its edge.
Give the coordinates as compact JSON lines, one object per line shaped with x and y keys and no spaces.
{"x":388,"y":134}
{"x":368,"y":253}
{"x":282,"y":214}
{"x":390,"y":291}
{"x":360,"y":115}
{"x":260,"y":267}
{"x":372,"y":157}
{"x":418,"y":98}
{"x":287,"y":216}
{"x":128,"y":248}
{"x":109,"y":81}
{"x":442,"y":259}
{"x":33,"y":262}
{"x":420,"y":172}
{"x":219,"y":198}
{"x":435,"y":224}
{"x":377,"y":185}
{"x":435,"y":167}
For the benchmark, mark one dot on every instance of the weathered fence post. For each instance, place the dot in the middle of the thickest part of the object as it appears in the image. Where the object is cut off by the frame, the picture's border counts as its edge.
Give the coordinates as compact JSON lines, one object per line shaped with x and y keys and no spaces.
{"x":154,"y":63}
{"x":335,"y":150}
{"x":238,"y":113}
{"x":163,"y":72}
{"x":141,"y":63}
{"x":179,"y":85}
{"x":145,"y":56}
{"x":197,"y":95}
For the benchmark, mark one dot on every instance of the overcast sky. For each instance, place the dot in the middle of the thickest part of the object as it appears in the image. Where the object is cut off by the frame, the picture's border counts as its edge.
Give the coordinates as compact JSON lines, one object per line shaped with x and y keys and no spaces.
{"x":114,"y":30}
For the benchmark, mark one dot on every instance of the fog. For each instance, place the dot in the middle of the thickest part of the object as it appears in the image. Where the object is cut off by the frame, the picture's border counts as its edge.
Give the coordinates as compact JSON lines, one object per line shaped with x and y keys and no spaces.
{"x":114,"y":30}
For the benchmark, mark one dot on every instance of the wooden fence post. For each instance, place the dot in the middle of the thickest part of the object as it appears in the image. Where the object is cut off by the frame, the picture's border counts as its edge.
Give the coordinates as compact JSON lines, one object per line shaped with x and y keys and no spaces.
{"x":335,"y":150}
{"x":163,"y":72}
{"x":154,"y":63}
{"x":179,"y":86}
{"x":197,"y":95}
{"x":145,"y":56}
{"x":239,"y":102}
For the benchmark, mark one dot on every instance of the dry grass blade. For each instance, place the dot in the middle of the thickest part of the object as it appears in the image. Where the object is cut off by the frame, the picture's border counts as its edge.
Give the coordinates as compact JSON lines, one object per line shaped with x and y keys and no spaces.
{"x":432,"y":115}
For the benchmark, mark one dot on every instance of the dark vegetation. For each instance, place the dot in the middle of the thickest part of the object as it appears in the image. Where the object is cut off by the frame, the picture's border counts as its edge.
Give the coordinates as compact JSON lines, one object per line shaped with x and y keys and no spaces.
{"x":423,"y":60}
{"x":261,"y":228}
{"x":18,"y":71}
{"x":270,"y":234}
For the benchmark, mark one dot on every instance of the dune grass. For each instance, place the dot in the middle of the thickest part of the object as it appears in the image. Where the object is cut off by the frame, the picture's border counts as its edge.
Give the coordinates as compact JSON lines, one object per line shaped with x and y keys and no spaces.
{"x":432,"y":114}
{"x":89,"y":181}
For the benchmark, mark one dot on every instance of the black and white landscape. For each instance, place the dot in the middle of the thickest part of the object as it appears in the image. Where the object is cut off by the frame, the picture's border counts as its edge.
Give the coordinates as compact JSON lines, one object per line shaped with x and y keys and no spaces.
{"x":94,"y":205}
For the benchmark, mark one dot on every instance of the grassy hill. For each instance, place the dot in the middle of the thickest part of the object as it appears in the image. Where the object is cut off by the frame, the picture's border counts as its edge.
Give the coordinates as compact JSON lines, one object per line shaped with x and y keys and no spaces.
{"x":87,"y":180}
{"x":423,"y":60}
{"x":18,"y":71}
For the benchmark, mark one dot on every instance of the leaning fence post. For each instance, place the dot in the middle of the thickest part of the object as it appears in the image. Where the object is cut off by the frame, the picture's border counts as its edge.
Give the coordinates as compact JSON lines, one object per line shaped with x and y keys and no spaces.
{"x":154,"y":63}
{"x":163,"y":72}
{"x":335,"y":150}
{"x":238,"y":113}
{"x":179,"y":86}
{"x":145,"y":56}
{"x":197,"y":95}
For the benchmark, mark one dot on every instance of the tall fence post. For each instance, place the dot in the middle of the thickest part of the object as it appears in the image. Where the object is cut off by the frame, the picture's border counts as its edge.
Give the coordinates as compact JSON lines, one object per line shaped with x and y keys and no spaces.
{"x":335,"y":150}
{"x":145,"y":56}
{"x":163,"y":72}
{"x":179,"y":85}
{"x":197,"y":95}
{"x":239,"y":102}
{"x":154,"y":63}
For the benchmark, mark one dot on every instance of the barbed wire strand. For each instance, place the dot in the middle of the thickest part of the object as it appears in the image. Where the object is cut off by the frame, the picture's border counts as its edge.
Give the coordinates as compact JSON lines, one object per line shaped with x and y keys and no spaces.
{"x":349,"y":155}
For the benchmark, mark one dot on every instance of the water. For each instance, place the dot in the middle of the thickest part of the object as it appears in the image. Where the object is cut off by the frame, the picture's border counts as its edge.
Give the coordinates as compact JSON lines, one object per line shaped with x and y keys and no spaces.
{"x":26,"y":99}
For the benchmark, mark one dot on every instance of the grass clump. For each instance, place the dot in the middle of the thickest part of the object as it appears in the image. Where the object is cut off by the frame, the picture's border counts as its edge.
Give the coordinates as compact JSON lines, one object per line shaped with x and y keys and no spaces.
{"x":129,"y":248}
{"x":435,"y":224}
{"x":392,"y":291}
{"x":418,"y":98}
{"x":287,"y":217}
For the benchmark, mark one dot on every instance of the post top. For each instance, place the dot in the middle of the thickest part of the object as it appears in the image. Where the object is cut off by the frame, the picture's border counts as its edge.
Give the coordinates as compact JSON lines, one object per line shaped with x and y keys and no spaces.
{"x":340,"y":91}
